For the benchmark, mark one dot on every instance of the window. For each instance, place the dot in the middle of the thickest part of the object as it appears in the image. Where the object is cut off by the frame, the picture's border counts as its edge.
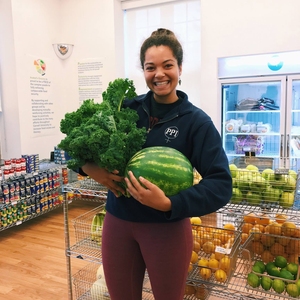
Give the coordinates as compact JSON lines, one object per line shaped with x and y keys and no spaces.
{"x":182,"y":17}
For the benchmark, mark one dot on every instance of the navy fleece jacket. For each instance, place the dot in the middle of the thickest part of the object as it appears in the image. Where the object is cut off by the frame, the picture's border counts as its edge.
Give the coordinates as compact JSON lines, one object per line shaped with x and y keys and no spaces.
{"x":192,"y":132}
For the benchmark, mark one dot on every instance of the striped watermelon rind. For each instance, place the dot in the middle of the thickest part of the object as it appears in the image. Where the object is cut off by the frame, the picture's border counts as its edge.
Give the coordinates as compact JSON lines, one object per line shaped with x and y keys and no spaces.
{"x":166,"y":167}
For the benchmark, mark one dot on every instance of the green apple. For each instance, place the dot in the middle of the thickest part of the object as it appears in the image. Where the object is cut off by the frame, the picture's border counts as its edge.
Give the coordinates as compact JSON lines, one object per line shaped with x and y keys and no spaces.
{"x":287,"y":199}
{"x":293,"y":174}
{"x":233,"y":170}
{"x":237,"y":196}
{"x":290,"y":183}
{"x":292,"y":290}
{"x":243,"y":182}
{"x":253,"y":198}
{"x":252,"y":168}
{"x":271,"y":195}
{"x":266,"y":173}
{"x":258,"y":183}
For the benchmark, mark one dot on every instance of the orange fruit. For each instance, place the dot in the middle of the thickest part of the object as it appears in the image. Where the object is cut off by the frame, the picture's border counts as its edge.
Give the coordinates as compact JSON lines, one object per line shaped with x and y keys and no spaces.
{"x":282,"y":240}
{"x":244,"y":237}
{"x":217,"y":242}
{"x":267,"y":240}
{"x":201,"y":292}
{"x":257,"y":247}
{"x":293,"y":246}
{"x":250,"y":218}
{"x":260,"y":227}
{"x":277,"y":249}
{"x":224,"y":237}
{"x":194,"y":257}
{"x":280,"y":218}
{"x":293,"y":258}
{"x":208,"y":247}
{"x":196,"y":246}
{"x":256,"y":233}
{"x":195,"y":220}
{"x":274,"y":228}
{"x":189,"y":289}
{"x":297,"y":232}
{"x":288,"y":228}
{"x":219,"y":255}
{"x":213,"y":263}
{"x":205,"y":237}
{"x":203,"y":262}
{"x":267,"y":256}
{"x":246,"y":227}
{"x":263,"y":220}
{"x":229,"y":226}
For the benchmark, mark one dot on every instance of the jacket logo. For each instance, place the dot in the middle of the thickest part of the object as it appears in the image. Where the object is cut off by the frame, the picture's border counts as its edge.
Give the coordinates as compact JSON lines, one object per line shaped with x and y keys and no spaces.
{"x":171,"y":133}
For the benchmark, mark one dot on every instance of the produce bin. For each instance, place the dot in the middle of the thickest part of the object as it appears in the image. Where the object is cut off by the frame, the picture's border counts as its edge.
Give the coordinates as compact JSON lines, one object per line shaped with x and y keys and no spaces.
{"x":215,"y":251}
{"x":267,"y":188}
{"x":280,"y":256}
{"x":83,"y":225}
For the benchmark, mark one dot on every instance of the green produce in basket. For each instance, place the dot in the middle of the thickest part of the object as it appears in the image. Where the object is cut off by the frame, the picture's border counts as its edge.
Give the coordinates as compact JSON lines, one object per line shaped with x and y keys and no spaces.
{"x":287,"y":199}
{"x":278,"y":286}
{"x":293,"y":268}
{"x":293,"y":290}
{"x":266,"y":283}
{"x":286,"y":274}
{"x":253,"y":280}
{"x":261,"y":265}
{"x":280,"y":261}
{"x":237,"y":196}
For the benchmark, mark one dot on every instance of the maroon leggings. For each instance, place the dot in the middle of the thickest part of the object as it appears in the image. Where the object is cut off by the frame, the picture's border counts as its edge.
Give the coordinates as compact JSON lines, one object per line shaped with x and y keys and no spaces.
{"x":128,"y":248}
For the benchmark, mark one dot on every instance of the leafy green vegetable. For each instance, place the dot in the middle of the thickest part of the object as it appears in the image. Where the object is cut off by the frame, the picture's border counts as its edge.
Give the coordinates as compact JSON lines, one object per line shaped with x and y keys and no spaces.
{"x":104,"y":133}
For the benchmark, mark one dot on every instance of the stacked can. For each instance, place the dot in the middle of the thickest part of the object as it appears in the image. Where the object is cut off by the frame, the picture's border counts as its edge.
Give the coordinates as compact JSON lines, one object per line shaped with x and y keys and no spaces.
{"x":31,"y":163}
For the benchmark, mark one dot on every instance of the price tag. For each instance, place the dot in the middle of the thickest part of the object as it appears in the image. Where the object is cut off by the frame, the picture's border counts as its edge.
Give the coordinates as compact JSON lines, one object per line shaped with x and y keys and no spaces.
{"x":223,"y":250}
{"x":281,"y":171}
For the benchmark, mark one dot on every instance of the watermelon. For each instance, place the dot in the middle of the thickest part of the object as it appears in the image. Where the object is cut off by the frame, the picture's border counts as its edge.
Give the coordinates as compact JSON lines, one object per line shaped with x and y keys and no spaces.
{"x":166,"y":167}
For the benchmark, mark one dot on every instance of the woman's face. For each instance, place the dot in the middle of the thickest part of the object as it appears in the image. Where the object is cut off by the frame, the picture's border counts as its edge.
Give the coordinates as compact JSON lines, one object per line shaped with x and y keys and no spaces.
{"x":162,"y":73}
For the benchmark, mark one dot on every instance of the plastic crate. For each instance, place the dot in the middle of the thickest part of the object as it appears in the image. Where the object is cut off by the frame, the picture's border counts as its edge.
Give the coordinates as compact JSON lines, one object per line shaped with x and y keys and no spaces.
{"x":268,"y":188}
{"x":82,"y":225}
{"x":265,"y":247}
{"x":218,"y":238}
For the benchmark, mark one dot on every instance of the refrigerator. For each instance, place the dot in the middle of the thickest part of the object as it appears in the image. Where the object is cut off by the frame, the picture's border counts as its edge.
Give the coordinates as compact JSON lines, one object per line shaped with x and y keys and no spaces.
{"x":260,"y":98}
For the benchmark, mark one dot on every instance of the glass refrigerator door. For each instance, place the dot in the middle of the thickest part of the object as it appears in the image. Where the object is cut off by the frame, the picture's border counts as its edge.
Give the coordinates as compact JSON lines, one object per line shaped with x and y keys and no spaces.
{"x":293,"y":122}
{"x":253,"y":119}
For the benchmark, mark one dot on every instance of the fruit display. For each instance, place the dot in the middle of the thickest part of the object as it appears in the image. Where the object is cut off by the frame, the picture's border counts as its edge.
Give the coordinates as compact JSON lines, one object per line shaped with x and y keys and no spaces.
{"x":215,"y":249}
{"x":273,"y":249}
{"x":263,"y":188}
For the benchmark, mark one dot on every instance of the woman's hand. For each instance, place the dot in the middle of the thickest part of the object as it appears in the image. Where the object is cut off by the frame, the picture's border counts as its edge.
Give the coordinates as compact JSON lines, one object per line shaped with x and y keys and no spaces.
{"x":147,"y":193}
{"x":104,"y":177}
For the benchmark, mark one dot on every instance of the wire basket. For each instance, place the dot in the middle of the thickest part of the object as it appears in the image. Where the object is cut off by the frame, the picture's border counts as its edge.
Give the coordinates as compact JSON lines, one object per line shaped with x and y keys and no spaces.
{"x":273,"y":263}
{"x":215,"y":251}
{"x":83,"y":225}
{"x":268,"y":188}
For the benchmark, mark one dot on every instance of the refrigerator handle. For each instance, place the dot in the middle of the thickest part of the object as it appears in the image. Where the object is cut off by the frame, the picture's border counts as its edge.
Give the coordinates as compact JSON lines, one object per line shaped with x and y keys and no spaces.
{"x":281,"y":147}
{"x":288,"y":146}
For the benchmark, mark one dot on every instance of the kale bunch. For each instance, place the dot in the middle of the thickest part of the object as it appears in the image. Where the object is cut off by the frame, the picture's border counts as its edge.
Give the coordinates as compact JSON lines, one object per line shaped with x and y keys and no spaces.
{"x":104,"y":133}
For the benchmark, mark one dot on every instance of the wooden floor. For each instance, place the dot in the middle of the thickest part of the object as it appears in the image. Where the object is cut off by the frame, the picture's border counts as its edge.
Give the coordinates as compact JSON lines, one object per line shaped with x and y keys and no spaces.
{"x":33,"y":261}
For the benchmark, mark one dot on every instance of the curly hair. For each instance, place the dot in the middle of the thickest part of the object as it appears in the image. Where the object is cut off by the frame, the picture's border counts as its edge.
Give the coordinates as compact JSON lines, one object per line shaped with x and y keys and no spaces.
{"x":162,"y":37}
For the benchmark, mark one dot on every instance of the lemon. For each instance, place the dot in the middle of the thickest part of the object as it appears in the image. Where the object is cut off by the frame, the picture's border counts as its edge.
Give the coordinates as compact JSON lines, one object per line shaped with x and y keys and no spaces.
{"x":292,"y":290}
{"x":213,"y":263}
{"x":225,"y":263}
{"x":196,"y":220}
{"x":253,"y":280}
{"x":220,"y":275}
{"x":194,"y":257}
{"x":203,"y":262}
{"x":205,"y":273}
{"x":280,"y":261}
{"x":278,"y":286}
{"x":266,"y":283}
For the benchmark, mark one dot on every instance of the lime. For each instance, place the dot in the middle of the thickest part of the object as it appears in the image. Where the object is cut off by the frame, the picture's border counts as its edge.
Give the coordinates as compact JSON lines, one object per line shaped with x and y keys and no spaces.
{"x":280,"y":261}
{"x":266,"y":283}
{"x":261,"y":265}
{"x":293,"y":268}
{"x":274,"y":271}
{"x":257,"y":269}
{"x":286,"y":275}
{"x":298,"y":284}
{"x":253,"y":280}
{"x":270,"y":265}
{"x":278,"y":286}
{"x":292,"y":290}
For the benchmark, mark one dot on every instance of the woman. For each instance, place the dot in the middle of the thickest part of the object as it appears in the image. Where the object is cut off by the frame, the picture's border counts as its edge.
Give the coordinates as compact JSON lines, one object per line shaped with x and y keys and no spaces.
{"x":150,"y":230}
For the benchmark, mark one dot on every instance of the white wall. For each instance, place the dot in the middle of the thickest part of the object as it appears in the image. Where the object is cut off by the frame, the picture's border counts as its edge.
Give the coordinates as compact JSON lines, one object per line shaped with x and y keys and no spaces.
{"x":240,"y":27}
{"x":231,"y":27}
{"x":28,"y":28}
